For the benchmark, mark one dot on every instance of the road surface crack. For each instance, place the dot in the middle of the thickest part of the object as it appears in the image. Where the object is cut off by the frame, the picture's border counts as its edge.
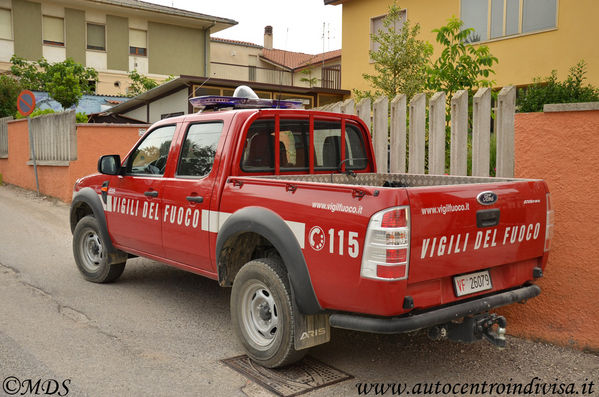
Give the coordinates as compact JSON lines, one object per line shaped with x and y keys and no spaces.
{"x":66,"y":311}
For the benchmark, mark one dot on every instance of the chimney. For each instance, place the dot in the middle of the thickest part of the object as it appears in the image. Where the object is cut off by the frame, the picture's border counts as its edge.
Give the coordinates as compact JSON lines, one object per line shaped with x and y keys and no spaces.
{"x":268,"y":37}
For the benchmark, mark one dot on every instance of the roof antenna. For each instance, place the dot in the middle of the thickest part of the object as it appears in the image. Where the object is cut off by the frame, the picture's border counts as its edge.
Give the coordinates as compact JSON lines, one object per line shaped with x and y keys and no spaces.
{"x":284,"y":65}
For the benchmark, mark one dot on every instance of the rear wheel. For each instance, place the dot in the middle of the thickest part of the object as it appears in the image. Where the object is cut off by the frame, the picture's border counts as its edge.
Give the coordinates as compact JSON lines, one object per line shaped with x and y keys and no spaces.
{"x":90,"y":253}
{"x":263,"y":314}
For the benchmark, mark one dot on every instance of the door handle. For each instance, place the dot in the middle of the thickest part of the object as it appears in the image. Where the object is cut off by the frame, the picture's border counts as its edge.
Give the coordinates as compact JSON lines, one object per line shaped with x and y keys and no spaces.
{"x":151,"y":193}
{"x":195,"y":199}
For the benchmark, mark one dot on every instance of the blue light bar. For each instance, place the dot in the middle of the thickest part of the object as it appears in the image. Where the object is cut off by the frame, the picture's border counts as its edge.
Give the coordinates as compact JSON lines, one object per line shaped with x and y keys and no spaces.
{"x":218,"y":102}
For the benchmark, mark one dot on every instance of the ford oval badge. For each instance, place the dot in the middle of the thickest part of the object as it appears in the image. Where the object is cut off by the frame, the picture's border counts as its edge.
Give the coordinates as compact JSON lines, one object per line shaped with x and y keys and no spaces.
{"x":486,"y":198}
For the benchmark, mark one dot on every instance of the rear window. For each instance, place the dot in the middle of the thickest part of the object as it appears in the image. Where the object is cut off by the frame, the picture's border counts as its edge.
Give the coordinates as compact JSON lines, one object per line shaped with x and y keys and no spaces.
{"x":294,"y":147}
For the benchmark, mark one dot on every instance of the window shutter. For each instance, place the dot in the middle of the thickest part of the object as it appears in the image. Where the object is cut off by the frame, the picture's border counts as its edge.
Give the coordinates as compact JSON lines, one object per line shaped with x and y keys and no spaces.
{"x":53,"y":29}
{"x":137,"y":38}
{"x":5,"y":24}
{"x":95,"y":37}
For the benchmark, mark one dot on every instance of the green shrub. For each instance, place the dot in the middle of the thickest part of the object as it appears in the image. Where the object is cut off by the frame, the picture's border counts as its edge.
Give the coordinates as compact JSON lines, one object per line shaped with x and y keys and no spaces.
{"x":9,"y":91}
{"x":35,"y":113}
{"x":79,"y":117}
{"x":550,"y":90}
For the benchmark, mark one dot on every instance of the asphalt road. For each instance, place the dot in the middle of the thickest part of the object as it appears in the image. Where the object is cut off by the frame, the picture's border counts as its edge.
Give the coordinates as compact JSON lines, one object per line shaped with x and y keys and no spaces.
{"x":159,"y":331}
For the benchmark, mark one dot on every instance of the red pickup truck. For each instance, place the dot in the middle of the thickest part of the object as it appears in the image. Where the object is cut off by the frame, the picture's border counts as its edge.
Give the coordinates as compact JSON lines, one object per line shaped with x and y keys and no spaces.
{"x":308,"y":234}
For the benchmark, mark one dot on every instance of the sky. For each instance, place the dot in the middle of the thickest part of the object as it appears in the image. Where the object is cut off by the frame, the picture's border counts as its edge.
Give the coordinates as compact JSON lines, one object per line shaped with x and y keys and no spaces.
{"x":297,"y":25}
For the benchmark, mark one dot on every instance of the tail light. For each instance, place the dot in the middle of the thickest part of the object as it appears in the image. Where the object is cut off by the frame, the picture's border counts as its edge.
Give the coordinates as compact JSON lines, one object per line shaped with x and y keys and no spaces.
{"x":387,"y":245}
{"x":549,"y":224}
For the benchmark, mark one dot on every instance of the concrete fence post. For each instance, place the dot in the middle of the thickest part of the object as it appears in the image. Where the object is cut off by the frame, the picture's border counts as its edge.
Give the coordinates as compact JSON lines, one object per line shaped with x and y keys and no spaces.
{"x":55,"y":137}
{"x":458,"y":157}
{"x":336,"y":107}
{"x":436,"y":137}
{"x":381,"y":132}
{"x":363,"y":111}
{"x":481,"y":132}
{"x":349,"y":107}
{"x":4,"y":136}
{"x":398,"y":134}
{"x":506,"y":109}
{"x":417,"y":134}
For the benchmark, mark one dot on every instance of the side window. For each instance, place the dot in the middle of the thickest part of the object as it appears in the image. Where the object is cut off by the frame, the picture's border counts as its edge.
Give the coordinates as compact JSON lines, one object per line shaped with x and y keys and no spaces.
{"x":294,"y":144}
{"x":199,"y":149}
{"x":258,"y":153}
{"x":259,"y":150}
{"x":151,"y":155}
{"x":327,"y":148}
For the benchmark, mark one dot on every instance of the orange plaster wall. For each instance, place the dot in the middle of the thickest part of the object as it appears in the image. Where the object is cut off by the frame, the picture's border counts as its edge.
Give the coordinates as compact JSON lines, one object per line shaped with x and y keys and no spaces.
{"x":93,"y":140}
{"x":563,"y":149}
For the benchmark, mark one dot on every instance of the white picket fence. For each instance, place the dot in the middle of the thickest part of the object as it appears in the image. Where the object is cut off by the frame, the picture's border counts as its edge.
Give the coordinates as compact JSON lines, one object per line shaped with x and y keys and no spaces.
{"x":391,"y":137}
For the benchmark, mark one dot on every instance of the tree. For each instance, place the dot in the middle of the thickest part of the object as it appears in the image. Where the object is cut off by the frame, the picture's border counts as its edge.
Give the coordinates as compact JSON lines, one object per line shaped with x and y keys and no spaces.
{"x":139,"y":84}
{"x":66,"y":82}
{"x":550,"y":90}
{"x":9,"y":91}
{"x":400,"y":62}
{"x":460,"y":65}
{"x":312,"y":81}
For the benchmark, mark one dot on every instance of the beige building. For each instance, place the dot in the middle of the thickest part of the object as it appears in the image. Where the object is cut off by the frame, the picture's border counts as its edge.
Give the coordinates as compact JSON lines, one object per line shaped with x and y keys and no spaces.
{"x":238,"y":60}
{"x":112,"y":36}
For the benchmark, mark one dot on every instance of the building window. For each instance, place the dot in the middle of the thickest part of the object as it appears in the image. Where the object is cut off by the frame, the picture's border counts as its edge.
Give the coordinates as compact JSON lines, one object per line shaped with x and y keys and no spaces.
{"x":376,"y":25}
{"x":53,"y":30}
{"x":96,"y":37}
{"x":331,"y":77}
{"x":251,"y":73}
{"x":5,"y":24}
{"x":507,"y":17}
{"x":138,"y":42}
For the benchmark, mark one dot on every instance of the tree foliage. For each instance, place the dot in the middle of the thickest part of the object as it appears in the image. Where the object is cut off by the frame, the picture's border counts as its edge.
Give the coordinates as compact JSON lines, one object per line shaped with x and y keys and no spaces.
{"x":550,"y":90}
{"x":66,"y":82}
{"x":460,"y":66}
{"x":401,"y":60}
{"x":308,"y":78}
{"x":140,"y":84}
{"x":9,"y":91}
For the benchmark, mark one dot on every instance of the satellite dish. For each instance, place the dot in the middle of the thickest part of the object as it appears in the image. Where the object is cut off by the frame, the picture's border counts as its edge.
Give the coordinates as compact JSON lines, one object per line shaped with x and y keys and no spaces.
{"x":243,"y":91}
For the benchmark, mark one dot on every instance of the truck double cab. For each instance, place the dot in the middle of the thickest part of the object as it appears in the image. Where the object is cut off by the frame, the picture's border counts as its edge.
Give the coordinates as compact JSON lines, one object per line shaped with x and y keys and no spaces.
{"x":286,"y":207}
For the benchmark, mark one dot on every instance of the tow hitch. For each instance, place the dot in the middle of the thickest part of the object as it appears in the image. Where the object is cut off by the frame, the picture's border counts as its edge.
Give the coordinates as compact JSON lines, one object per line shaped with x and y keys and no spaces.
{"x":473,"y":328}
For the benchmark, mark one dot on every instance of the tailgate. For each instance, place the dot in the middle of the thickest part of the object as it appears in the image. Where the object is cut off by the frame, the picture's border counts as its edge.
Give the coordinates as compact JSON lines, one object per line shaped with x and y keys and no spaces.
{"x":453,"y":233}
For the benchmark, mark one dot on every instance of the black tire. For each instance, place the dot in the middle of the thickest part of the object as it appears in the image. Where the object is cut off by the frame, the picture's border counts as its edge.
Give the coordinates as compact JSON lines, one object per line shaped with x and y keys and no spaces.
{"x":263,"y":313}
{"x":90,"y":253}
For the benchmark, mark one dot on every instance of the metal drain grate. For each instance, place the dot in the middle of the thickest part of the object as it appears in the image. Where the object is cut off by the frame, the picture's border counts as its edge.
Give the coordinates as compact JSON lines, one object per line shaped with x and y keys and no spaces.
{"x":299,"y":378}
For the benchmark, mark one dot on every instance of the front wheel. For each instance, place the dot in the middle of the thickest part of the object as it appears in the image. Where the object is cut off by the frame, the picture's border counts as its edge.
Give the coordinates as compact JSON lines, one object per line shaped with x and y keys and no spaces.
{"x":263,"y":314}
{"x":90,"y":253}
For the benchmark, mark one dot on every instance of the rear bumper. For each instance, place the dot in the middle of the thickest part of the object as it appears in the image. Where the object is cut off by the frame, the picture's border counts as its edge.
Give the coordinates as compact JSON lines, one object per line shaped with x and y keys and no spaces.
{"x":398,"y":325}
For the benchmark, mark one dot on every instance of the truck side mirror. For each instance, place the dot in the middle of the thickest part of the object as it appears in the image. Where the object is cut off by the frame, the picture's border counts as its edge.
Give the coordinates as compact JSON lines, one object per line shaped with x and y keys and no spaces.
{"x":109,"y":164}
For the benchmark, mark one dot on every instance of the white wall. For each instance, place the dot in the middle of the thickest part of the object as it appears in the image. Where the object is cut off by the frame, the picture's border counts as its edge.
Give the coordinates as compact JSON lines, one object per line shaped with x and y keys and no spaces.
{"x":138,"y":114}
{"x":138,"y":63}
{"x":54,"y":54}
{"x":174,"y":103}
{"x":96,"y":59}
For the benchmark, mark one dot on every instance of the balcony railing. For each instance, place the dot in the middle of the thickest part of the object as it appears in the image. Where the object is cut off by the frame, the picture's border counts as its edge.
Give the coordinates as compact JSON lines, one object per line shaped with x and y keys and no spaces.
{"x":331,"y":76}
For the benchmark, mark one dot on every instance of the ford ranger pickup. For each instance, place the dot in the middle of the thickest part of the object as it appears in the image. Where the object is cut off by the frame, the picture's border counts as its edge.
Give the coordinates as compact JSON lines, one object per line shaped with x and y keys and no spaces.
{"x":286,"y":207}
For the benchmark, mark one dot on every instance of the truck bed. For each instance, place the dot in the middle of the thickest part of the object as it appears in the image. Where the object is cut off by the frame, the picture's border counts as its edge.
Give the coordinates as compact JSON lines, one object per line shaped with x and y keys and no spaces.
{"x":397,"y":180}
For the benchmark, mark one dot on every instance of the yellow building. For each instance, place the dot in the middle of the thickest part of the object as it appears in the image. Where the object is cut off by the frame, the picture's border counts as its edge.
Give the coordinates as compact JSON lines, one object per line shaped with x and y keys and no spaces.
{"x":530,"y":37}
